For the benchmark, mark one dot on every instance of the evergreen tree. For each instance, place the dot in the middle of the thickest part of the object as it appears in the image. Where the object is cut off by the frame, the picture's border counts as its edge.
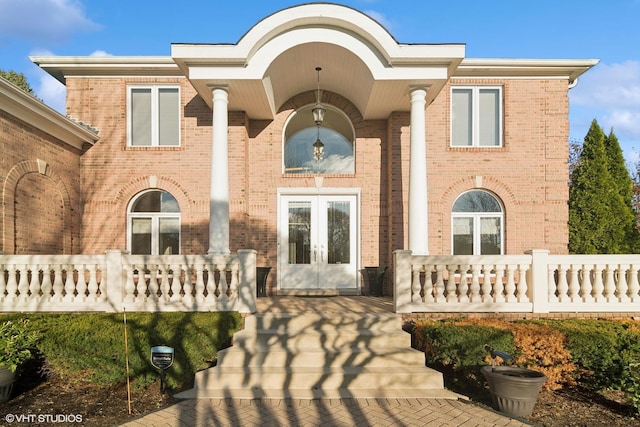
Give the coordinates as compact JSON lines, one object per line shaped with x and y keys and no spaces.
{"x":600,"y":215}
{"x":18,"y":79}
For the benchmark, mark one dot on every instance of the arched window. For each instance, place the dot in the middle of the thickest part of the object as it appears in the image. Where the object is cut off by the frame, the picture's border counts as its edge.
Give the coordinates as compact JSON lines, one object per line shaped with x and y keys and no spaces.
{"x":477,"y":224}
{"x":154,"y":224}
{"x":336,"y":134}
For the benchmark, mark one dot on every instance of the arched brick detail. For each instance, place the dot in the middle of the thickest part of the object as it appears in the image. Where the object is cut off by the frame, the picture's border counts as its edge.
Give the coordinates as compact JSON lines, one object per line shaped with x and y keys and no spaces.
{"x":142,"y":183}
{"x":327,"y":98}
{"x":501,"y":190}
{"x":9,"y":188}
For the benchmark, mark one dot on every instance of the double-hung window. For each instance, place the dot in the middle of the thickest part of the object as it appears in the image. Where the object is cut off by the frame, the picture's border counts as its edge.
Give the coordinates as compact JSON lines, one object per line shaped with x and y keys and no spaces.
{"x":476,"y":116}
{"x":153,"y":116}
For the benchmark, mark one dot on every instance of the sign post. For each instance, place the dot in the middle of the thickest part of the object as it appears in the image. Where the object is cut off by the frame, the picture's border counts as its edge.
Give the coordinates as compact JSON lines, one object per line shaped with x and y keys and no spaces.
{"x":162,"y":359}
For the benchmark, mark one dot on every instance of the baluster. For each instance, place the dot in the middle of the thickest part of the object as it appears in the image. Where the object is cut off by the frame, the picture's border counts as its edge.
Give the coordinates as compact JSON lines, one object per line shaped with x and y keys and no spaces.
{"x":439,"y":287}
{"x":12,"y":284}
{"x":47,"y":286}
{"x":598,"y":286}
{"x":81,"y":286}
{"x":153,"y":287}
{"x":34,"y":283}
{"x":429,"y":286}
{"x":69,"y":284}
{"x":165,"y":286}
{"x":223,"y":296}
{"x":562,"y":285}
{"x":233,"y":285}
{"x":451,"y":283}
{"x":176,"y":282}
{"x":498,"y":287}
{"x":586,"y":291}
{"x":200,"y":287}
{"x":609,"y":284}
{"x":474,"y":286}
{"x":92,"y":286}
{"x":58,"y":284}
{"x":486,"y":283}
{"x":23,"y":284}
{"x":415,"y":283}
{"x":463,"y":286}
{"x":522,"y":286}
{"x":213,"y":292}
{"x":130,"y":283}
{"x":187,"y":286}
{"x":622,"y":287}
{"x":634,"y":286}
{"x":574,"y":284}
{"x":510,"y":286}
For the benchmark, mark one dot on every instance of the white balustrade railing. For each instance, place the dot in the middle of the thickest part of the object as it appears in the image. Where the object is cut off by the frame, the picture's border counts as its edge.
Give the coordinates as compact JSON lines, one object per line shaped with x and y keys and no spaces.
{"x":536,"y":282}
{"x":117,"y":281}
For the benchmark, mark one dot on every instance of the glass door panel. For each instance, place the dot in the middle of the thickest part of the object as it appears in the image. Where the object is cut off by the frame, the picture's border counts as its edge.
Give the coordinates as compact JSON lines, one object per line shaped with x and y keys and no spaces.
{"x":318,"y":242}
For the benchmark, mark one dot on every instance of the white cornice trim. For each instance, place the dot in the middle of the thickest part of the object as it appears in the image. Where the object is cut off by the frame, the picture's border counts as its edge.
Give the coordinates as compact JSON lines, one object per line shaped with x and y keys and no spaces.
{"x":61,"y":67}
{"x":569,"y":69}
{"x":20,"y":104}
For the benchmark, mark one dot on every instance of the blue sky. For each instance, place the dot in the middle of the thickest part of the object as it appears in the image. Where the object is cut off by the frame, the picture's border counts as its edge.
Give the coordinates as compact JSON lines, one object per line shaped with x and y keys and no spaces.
{"x":537,"y":29}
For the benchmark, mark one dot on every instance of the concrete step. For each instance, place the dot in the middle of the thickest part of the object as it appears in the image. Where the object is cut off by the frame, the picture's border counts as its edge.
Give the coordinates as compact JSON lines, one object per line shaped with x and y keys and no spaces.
{"x":320,"y":355}
{"x":319,"y":380}
{"x":306,"y":393}
{"x":322,"y":322}
{"x":382,"y":357}
{"x":299,"y":340}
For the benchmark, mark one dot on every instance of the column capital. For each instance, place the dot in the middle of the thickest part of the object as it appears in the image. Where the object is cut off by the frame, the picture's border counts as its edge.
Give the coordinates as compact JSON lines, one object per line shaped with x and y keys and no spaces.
{"x":417,"y":91}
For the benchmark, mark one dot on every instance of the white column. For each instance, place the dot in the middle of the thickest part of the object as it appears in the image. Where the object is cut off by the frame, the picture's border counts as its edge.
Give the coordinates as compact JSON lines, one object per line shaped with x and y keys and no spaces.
{"x":418,"y":214}
{"x":219,"y":192}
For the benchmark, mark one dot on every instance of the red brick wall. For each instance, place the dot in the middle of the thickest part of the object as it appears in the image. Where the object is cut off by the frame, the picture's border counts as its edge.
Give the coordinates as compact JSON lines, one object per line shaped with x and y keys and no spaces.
{"x":41,"y":191}
{"x":528,"y":174}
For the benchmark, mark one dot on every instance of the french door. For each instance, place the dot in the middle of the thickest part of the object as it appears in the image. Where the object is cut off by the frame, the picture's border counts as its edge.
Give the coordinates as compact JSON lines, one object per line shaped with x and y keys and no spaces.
{"x":318,"y":242}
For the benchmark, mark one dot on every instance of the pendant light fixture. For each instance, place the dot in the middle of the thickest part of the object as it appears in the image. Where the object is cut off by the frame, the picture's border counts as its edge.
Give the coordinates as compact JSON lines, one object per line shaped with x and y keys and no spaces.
{"x":318,"y":117}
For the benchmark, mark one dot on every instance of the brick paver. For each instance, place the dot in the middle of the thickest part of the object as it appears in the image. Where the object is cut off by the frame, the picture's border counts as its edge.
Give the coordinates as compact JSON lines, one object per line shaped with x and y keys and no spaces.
{"x":324,"y":413}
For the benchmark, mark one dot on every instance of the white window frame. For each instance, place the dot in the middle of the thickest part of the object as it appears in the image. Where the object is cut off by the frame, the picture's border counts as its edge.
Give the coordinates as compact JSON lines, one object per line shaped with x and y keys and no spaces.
{"x":476,"y":115}
{"x":155,"y":223}
{"x":477,"y":219}
{"x":155,"y":125}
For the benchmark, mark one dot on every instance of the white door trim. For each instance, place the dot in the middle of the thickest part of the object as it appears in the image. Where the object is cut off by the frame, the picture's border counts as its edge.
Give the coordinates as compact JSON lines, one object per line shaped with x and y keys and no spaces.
{"x":321,"y":191}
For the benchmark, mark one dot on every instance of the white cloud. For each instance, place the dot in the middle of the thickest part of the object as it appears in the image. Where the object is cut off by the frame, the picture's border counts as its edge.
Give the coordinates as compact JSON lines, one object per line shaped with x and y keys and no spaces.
{"x":610,"y":93}
{"x":52,"y":92}
{"x":49,"y":90}
{"x":43,"y":21}
{"x":100,"y":53}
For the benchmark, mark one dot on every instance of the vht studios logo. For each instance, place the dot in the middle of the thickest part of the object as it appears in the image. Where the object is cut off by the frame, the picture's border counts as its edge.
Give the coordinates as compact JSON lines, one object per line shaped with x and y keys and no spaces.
{"x":43,"y":418}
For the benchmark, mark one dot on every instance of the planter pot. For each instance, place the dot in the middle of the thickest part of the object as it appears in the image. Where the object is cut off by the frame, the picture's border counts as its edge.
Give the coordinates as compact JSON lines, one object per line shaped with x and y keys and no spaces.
{"x":514,"y":390}
{"x":7,"y":379}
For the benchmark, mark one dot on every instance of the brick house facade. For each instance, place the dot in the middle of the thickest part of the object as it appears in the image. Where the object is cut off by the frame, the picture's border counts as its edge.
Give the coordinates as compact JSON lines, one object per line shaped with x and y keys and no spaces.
{"x":381,"y":97}
{"x":40,"y":174}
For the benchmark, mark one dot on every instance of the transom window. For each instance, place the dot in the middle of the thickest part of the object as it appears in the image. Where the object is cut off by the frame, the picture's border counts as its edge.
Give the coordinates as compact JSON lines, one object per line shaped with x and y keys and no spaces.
{"x":477,"y":224}
{"x":336,"y":135}
{"x":476,"y":116}
{"x":153,"y":116}
{"x":154,"y":224}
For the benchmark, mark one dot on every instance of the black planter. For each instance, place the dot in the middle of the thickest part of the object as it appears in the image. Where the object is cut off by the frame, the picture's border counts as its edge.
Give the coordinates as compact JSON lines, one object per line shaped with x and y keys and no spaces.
{"x":514,"y":391}
{"x":7,"y":379}
{"x":261,"y":279}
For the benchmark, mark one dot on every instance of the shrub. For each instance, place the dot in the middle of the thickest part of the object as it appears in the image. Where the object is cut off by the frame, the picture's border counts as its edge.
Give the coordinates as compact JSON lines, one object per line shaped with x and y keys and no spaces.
{"x":93,"y":343}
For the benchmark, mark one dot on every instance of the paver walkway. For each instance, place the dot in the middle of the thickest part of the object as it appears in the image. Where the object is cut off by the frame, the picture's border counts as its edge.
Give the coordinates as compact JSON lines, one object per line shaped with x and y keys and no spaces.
{"x":324,"y":412}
